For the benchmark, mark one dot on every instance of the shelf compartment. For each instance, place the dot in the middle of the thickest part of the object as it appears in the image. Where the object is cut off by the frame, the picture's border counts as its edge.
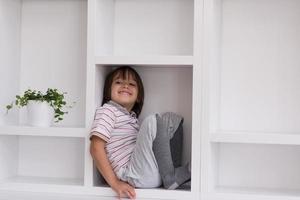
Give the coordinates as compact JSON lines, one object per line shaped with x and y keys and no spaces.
{"x":255,"y":191}
{"x":252,"y":102}
{"x":59,"y":187}
{"x":46,"y":50}
{"x":255,"y":137}
{"x":167,"y":89}
{"x":256,"y":169}
{"x":145,"y":60}
{"x":43,"y":131}
{"x":142,"y":27}
{"x":41,"y":160}
{"x":252,"y":62}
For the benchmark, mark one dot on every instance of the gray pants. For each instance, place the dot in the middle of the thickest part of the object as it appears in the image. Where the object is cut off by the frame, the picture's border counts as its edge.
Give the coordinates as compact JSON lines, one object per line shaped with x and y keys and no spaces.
{"x":142,"y":170}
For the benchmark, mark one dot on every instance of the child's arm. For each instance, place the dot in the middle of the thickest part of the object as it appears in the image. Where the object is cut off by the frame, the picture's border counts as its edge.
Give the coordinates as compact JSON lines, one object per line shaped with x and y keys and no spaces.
{"x":98,"y":153}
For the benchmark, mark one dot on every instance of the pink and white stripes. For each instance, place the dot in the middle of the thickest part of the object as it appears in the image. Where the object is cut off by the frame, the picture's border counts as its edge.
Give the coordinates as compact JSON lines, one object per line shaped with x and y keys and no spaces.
{"x":119,"y":128}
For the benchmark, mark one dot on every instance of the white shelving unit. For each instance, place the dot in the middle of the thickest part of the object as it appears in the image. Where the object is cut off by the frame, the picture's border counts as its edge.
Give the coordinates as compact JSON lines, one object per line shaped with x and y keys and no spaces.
{"x":43,"y":45}
{"x":255,"y":137}
{"x":46,"y":132}
{"x":145,"y":60}
{"x":229,"y":67}
{"x":157,"y":39}
{"x":250,"y":139}
{"x":71,"y":45}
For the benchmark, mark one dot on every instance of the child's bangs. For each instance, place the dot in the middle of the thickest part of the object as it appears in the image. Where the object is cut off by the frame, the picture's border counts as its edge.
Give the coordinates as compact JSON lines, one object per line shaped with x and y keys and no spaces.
{"x":125,"y":74}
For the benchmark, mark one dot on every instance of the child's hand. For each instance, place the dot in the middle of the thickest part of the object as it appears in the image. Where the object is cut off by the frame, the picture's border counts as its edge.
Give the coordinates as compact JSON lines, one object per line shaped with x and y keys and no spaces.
{"x":123,"y":189}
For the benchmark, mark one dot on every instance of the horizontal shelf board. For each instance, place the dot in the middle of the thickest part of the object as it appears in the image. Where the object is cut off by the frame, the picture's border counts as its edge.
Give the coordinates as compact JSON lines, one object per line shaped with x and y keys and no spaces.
{"x":44,"y":131}
{"x":14,"y":195}
{"x":257,"y":192}
{"x":48,"y":188}
{"x":144,"y":60}
{"x":99,"y":191}
{"x":255,"y":137}
{"x":237,"y":196}
{"x":156,"y":193}
{"x":23,"y":180}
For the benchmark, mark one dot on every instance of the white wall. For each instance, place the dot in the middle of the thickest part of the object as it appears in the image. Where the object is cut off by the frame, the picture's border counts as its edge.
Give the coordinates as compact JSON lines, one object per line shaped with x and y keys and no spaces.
{"x":260,"y":85}
{"x":104,"y":27}
{"x":54,"y":51}
{"x":169,"y":89}
{"x":255,"y":88}
{"x":51,"y":157}
{"x":153,"y":27}
{"x":259,"y":166}
{"x":143,"y":27}
{"x":10,"y":26}
{"x":8,"y":156}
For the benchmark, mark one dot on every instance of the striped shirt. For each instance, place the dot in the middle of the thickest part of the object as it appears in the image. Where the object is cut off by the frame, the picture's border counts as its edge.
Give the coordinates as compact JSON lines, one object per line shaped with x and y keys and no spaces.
{"x":119,"y":129}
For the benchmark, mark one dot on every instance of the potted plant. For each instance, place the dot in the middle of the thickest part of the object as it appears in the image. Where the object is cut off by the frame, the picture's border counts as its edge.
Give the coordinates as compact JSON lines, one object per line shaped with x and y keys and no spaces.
{"x":42,"y":109}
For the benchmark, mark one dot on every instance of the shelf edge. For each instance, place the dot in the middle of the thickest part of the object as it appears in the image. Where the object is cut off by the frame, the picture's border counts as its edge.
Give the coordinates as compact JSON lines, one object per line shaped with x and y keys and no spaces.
{"x":43,"y":131}
{"x":255,"y":137}
{"x":144,"y":60}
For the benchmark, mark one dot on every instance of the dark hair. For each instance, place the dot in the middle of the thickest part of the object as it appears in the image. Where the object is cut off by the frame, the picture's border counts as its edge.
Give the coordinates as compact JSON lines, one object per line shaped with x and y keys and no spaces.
{"x":124,"y":72}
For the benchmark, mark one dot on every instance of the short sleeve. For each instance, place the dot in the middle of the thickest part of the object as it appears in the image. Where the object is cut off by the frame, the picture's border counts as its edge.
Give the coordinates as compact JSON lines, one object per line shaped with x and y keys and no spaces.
{"x":103,"y":124}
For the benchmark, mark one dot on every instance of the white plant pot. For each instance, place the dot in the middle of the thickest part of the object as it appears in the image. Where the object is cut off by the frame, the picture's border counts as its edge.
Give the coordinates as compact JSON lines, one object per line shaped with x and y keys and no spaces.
{"x":39,"y":114}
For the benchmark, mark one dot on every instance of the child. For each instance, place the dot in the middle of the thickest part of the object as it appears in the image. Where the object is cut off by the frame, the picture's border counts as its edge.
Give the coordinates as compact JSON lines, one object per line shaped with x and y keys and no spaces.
{"x":121,"y":150}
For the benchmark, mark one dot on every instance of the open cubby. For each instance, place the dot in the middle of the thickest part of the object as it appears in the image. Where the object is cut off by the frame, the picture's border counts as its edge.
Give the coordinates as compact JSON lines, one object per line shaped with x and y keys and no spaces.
{"x":43,"y":46}
{"x":250,"y":57}
{"x":254,"y":65}
{"x":71,"y":45}
{"x":142,"y":27}
{"x":256,"y":168}
{"x":41,"y":160}
{"x":167,"y":89}
{"x":229,"y":67}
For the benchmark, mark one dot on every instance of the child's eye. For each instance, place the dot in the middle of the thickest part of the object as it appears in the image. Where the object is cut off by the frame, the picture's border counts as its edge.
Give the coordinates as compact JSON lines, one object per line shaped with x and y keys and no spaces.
{"x":132,"y":84}
{"x":118,"y":82}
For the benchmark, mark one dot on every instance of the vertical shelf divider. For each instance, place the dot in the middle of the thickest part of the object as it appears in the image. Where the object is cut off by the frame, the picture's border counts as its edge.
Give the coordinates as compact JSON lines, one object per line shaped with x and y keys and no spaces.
{"x":197,"y":130}
{"x":90,"y":89}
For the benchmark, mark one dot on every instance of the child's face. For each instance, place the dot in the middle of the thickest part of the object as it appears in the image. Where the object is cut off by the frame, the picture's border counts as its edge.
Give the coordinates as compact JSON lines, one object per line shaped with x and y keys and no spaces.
{"x":124,"y":91}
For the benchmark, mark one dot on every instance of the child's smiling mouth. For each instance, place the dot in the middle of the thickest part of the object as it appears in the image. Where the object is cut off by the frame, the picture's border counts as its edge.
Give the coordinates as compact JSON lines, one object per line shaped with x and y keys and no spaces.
{"x":124,"y":92}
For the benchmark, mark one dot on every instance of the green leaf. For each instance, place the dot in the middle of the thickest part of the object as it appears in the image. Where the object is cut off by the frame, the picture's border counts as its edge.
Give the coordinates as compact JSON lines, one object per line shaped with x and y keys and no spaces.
{"x":8,"y":107}
{"x":55,"y":98}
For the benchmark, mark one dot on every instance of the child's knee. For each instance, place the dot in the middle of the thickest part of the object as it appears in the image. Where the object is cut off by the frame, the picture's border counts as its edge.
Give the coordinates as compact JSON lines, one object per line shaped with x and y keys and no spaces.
{"x":148,"y":128}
